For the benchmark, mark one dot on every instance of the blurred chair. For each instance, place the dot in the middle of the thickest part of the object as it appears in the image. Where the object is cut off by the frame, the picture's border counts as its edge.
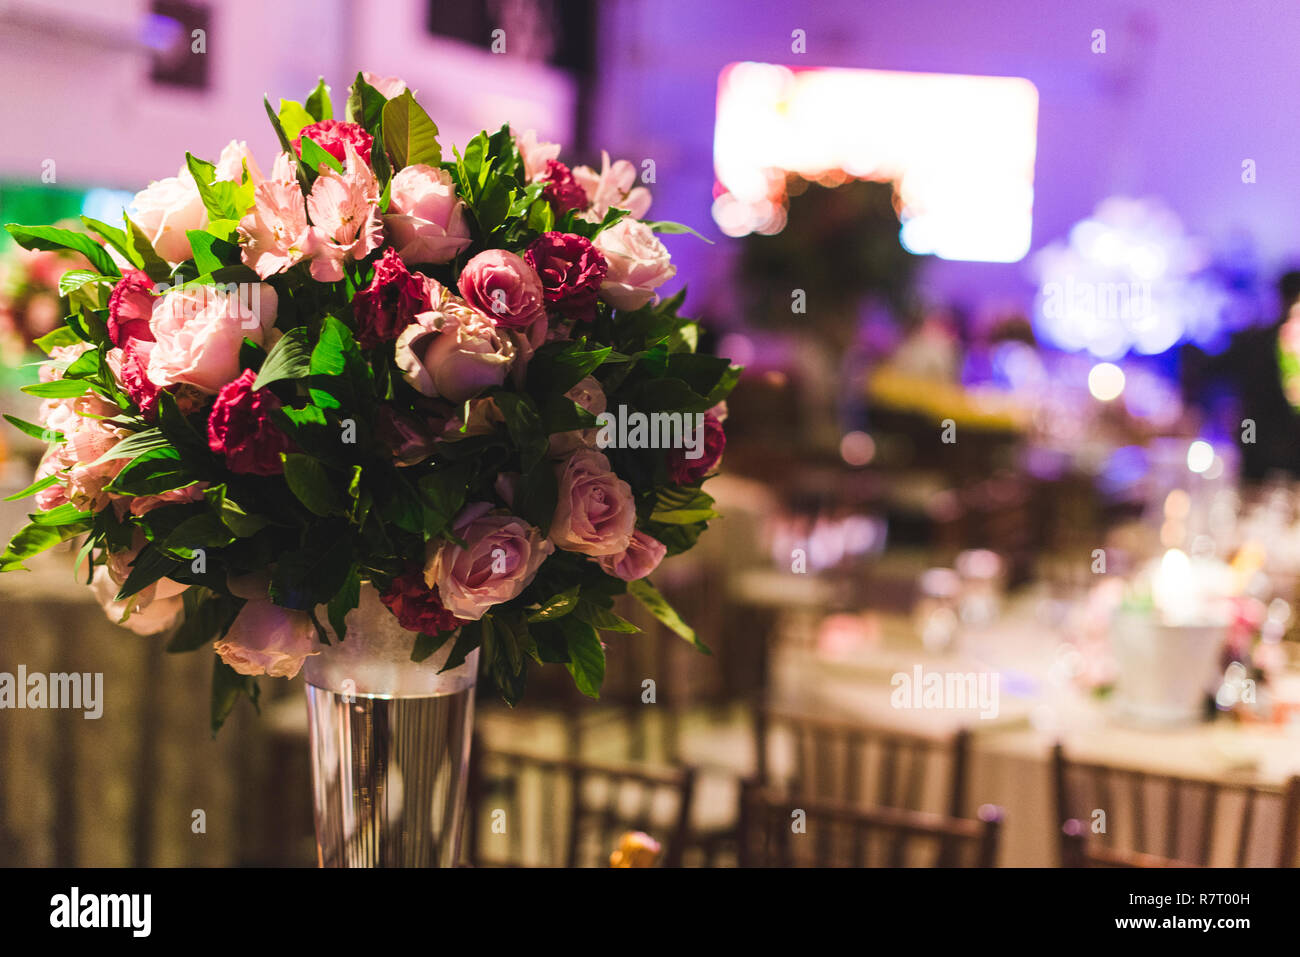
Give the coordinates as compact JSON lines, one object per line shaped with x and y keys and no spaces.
{"x":859,"y":764}
{"x":1159,"y":820}
{"x":779,"y":830}
{"x":530,"y":810}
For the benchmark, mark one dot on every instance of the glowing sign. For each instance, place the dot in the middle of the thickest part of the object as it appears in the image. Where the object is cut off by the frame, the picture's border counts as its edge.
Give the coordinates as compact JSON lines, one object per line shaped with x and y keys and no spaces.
{"x":959,"y":149}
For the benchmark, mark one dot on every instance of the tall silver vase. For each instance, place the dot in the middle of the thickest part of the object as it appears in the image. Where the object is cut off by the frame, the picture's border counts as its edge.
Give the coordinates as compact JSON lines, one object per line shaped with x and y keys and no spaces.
{"x":390,"y":743}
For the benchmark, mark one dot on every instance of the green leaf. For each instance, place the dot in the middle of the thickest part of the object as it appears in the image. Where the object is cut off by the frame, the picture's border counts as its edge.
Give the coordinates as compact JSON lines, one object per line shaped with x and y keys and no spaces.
{"x":133,"y":445}
{"x":293,"y":117}
{"x":525,"y":427}
{"x":290,"y":358}
{"x":311,"y":484}
{"x":426,"y":645}
{"x":410,"y":137}
{"x":668,"y":227}
{"x":53,"y":238}
{"x":682,"y":505}
{"x":286,"y":144}
{"x":34,"y":430}
{"x":657,"y":605}
{"x":33,"y":488}
{"x":204,"y":530}
{"x":149,"y":566}
{"x":211,"y":253}
{"x":32,"y":540}
{"x":365,"y":105}
{"x":541,"y":217}
{"x":152,"y":473}
{"x":602,"y":618}
{"x":557,"y":606}
{"x":313,"y":155}
{"x":142,"y":253}
{"x":227,"y":686}
{"x":208,"y":616}
{"x":58,"y":389}
{"x":113,"y":236}
{"x":65,"y":514}
{"x":222,"y":199}
{"x":343,"y":601}
{"x":559,"y":366}
{"x":62,"y":336}
{"x":313,"y":573}
{"x":468,"y":637}
{"x":442,"y":496}
{"x":318,"y":102}
{"x":586,"y":656}
{"x":232,"y":515}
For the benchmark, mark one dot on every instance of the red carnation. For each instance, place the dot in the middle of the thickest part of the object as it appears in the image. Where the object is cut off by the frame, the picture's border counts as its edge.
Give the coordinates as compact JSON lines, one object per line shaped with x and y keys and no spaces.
{"x":562,"y":190}
{"x":391,"y":301}
{"x":241,"y":428}
{"x":686,"y":471}
{"x":129,"y":308}
{"x":330,"y":135}
{"x":571,"y":269}
{"x":134,"y":376}
{"x":417,"y":606}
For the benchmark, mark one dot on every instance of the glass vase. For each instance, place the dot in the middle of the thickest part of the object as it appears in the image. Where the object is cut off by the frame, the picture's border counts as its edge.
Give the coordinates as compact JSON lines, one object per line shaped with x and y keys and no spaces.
{"x":390,"y":742}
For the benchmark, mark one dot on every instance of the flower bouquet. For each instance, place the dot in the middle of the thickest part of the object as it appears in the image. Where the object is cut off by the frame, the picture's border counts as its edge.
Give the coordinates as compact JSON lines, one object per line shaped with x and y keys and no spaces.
{"x":376,"y":372}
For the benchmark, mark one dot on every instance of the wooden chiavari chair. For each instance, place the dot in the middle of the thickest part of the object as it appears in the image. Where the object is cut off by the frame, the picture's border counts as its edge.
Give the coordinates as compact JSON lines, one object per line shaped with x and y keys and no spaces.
{"x":533,"y":810}
{"x":1160,"y":820}
{"x":835,"y":834}
{"x":862,"y":765}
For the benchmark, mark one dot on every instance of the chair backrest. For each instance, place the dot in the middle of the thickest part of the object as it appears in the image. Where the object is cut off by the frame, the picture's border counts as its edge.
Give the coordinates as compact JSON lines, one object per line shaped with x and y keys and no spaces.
{"x":1154,"y":820}
{"x":528,"y":809}
{"x":859,"y":764}
{"x":784,"y":830}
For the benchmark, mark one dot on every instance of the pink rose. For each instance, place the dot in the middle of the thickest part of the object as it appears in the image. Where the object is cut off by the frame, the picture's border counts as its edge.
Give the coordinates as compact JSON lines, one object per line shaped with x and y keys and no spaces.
{"x":454,"y":352}
{"x":501,"y":555}
{"x":641,"y":557}
{"x":146,"y":616}
{"x":152,"y":609}
{"x":388,"y":86}
{"x":502,"y":285}
{"x":591,"y":396}
{"x":535,"y":153}
{"x":165,"y":210}
{"x":265,"y":639}
{"x":275,"y":234}
{"x":230,"y":167}
{"x":425,"y":219}
{"x":199,"y":331}
{"x":595,"y":513}
{"x":408,"y":439}
{"x":344,"y":210}
{"x":638,"y":264}
{"x":614,"y":186}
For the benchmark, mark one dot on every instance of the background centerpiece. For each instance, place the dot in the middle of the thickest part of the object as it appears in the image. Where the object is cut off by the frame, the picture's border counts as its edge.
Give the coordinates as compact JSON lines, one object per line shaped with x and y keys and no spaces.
{"x":350,"y":412}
